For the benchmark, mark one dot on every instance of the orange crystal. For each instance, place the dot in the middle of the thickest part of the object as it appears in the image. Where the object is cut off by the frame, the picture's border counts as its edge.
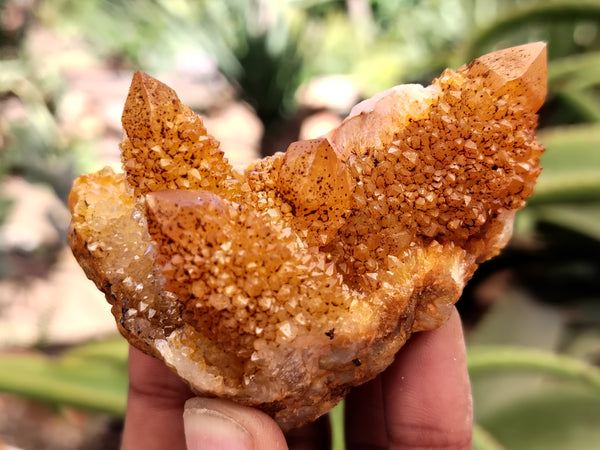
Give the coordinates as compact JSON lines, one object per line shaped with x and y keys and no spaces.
{"x":284,"y":285}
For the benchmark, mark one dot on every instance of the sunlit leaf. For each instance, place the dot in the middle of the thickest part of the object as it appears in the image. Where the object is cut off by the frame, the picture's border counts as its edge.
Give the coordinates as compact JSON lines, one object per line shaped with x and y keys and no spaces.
{"x":111,"y":349}
{"x":81,"y":381}
{"x":554,"y":419}
{"x":483,"y":439}
{"x":581,"y":217}
{"x":540,"y":13}
{"x":336,"y":416}
{"x":485,"y":360}
{"x":574,"y":72}
{"x":571,"y":164}
{"x":582,"y":104}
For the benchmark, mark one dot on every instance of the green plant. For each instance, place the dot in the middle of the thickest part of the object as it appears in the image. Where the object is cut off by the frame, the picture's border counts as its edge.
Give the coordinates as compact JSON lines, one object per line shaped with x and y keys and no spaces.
{"x":33,"y":144}
{"x":91,"y":376}
{"x":560,"y":411}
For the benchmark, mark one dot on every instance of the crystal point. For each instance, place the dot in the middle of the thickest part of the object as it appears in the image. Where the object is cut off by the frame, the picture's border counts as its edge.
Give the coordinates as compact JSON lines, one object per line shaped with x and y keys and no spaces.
{"x":147,"y":99}
{"x":519,"y":71}
{"x":313,"y":177}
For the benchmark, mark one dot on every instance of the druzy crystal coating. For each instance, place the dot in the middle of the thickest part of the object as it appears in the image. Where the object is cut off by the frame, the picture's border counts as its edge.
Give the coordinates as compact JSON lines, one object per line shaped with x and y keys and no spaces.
{"x":284,"y":285}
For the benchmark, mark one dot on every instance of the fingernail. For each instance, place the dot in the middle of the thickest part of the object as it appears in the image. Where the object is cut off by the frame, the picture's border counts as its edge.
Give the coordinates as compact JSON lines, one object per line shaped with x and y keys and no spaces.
{"x":207,"y":427}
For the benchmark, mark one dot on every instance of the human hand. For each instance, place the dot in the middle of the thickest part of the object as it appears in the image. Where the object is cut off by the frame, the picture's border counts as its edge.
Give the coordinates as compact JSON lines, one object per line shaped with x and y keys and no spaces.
{"x":423,"y":400}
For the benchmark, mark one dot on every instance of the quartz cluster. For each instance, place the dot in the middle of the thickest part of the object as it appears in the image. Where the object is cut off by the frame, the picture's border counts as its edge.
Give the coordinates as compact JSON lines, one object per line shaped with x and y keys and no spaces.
{"x":283,"y":285}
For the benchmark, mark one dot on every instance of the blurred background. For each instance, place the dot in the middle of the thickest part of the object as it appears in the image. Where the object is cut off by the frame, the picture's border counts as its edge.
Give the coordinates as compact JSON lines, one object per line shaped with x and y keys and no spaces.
{"x":265,"y":73}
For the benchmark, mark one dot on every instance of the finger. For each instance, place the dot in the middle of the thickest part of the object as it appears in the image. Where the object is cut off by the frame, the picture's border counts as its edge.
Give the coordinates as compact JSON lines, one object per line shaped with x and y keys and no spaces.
{"x":427,"y":392}
{"x":313,"y":436}
{"x":425,"y":396}
{"x":212,"y":423}
{"x":364,"y":417}
{"x":154,"y":405}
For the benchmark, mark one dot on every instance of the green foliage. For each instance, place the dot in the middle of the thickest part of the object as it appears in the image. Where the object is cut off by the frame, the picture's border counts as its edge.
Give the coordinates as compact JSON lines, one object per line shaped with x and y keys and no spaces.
{"x":92,"y":376}
{"x":571,"y":165}
{"x":264,"y":55}
{"x":484,"y":440}
{"x":5,"y":205}
{"x":556,"y":419}
{"x":485,"y":360}
{"x":574,"y":72}
{"x":337,"y":427}
{"x":545,"y":15}
{"x":34,"y":146}
{"x":130,"y":31}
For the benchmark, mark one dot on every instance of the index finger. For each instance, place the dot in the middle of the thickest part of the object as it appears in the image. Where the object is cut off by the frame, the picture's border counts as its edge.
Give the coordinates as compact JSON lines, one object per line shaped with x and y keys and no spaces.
{"x":154,"y":405}
{"x":423,"y":400}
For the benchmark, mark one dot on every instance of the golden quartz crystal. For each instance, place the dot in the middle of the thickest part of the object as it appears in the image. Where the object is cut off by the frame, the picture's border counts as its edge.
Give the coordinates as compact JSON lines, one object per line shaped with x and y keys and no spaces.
{"x":284,"y":285}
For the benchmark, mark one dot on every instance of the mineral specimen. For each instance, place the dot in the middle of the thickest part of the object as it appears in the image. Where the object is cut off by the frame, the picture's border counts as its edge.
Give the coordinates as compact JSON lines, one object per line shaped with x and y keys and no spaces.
{"x":284,"y":285}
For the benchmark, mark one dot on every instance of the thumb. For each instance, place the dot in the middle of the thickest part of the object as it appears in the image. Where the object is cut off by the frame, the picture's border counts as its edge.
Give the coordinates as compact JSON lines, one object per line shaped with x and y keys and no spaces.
{"x":211,"y":423}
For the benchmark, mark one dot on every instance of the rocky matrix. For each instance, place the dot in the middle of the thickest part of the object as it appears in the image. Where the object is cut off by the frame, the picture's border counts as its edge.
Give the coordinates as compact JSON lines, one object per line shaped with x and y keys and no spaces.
{"x":284,"y":285}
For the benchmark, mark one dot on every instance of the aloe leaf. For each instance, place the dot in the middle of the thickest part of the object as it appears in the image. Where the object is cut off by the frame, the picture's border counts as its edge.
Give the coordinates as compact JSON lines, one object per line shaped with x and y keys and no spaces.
{"x":583,"y":218}
{"x":336,"y":416}
{"x":543,"y":13}
{"x":484,"y":440}
{"x":551,"y":420}
{"x":114,"y":349}
{"x":483,"y":360}
{"x":571,"y":165}
{"x":68,"y":380}
{"x":581,"y":103}
{"x":579,"y":71}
